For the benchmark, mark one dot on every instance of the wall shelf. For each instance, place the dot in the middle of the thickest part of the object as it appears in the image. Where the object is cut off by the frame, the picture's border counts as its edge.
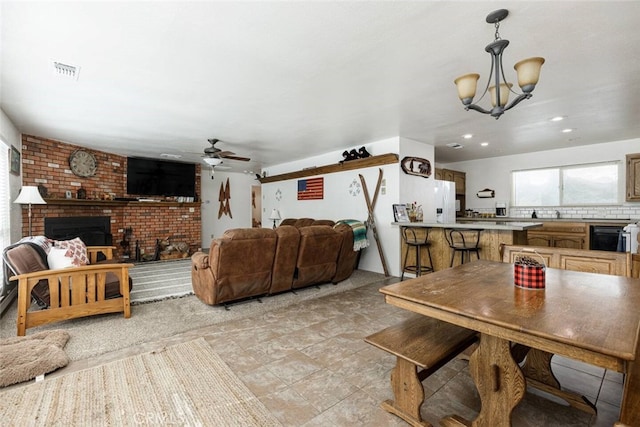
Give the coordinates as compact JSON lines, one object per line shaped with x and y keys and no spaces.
{"x":91,"y":202}
{"x":382,"y":159}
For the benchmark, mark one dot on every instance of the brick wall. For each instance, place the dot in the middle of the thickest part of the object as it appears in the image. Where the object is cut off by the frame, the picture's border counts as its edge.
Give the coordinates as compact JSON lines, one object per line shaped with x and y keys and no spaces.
{"x":46,"y":162}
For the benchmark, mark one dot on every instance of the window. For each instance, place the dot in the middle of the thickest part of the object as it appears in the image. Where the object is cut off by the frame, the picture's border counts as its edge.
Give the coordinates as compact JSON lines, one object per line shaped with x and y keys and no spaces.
{"x":5,"y":230}
{"x":593,"y":184}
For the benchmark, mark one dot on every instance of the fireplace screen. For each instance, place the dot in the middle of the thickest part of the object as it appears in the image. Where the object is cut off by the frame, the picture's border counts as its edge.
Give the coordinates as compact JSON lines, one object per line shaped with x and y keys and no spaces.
{"x":92,"y":230}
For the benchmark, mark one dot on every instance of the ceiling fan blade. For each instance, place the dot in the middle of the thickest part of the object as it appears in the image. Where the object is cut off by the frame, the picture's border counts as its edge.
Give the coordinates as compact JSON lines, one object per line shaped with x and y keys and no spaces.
{"x":225,"y":153}
{"x":242,"y":159}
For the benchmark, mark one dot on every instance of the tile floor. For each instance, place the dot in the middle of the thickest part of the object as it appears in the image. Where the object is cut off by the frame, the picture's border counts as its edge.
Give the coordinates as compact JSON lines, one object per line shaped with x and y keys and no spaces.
{"x":309,"y":365}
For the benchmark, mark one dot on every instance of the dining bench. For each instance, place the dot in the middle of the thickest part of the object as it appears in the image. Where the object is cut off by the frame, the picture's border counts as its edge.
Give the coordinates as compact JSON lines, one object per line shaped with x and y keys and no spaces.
{"x":422,"y":345}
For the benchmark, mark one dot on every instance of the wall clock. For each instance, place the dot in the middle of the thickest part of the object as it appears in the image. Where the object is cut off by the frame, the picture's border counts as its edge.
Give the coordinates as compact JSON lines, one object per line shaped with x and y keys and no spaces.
{"x":83,"y":163}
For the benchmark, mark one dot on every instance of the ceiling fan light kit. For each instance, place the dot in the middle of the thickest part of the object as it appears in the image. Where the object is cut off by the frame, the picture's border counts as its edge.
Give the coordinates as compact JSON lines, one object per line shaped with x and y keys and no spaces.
{"x":528,"y":71}
{"x":212,"y":161}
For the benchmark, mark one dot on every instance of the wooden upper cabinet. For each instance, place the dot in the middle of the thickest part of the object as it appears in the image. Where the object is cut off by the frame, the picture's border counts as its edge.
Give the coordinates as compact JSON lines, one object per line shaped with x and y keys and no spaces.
{"x":633,"y":177}
{"x":460,"y":179}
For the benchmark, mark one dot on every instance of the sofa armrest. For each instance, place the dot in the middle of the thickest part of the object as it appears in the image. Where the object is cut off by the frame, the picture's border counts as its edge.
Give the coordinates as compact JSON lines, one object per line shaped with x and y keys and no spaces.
{"x":200,"y":260}
{"x":94,"y":251}
{"x":74,"y":292}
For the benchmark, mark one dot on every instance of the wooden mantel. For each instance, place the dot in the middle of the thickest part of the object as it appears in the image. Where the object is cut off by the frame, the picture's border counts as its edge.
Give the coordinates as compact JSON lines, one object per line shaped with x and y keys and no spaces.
{"x":382,"y":159}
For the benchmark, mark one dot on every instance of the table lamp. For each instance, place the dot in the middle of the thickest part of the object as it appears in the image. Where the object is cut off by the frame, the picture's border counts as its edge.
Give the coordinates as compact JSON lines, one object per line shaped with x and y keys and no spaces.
{"x":29,"y":195}
{"x":275,"y":216}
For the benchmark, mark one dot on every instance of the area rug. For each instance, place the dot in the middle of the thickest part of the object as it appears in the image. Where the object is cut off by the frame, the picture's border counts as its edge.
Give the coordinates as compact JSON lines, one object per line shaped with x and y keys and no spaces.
{"x":185,"y":384}
{"x":154,"y":281}
{"x":24,"y":358}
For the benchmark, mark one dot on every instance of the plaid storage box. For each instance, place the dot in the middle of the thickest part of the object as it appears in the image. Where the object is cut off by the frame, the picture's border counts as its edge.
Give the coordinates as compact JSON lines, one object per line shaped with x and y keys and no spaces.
{"x":527,"y":275}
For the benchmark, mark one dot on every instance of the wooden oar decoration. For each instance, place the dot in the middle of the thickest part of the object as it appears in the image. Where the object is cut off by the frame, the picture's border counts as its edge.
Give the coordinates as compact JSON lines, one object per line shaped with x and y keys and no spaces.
{"x":371,"y":220}
{"x":222,"y":199}
{"x":227,"y":193}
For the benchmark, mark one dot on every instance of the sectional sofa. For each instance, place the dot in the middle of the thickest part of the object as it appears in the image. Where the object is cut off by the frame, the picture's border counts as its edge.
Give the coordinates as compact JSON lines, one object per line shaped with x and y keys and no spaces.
{"x":252,"y":262}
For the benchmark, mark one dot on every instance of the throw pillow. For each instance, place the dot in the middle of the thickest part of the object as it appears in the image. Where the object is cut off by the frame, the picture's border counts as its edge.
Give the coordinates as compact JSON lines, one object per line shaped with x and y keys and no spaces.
{"x":57,"y":258}
{"x":76,"y":249}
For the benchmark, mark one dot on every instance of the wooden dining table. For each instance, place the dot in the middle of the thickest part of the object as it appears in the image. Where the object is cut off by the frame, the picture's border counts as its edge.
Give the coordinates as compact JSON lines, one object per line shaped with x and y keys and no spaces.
{"x":593,"y":318}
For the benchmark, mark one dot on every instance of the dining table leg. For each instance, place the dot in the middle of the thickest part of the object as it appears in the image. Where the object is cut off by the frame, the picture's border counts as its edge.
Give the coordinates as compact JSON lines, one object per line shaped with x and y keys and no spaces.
{"x":630,"y":407}
{"x":499,"y":381}
{"x":538,"y":373}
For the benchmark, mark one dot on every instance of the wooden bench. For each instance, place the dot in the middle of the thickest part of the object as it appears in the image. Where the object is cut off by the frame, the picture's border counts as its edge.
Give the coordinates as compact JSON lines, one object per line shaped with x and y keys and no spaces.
{"x":419,"y":342}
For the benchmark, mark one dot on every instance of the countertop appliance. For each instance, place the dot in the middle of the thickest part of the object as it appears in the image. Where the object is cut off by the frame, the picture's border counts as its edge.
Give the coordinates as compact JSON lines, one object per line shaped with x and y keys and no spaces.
{"x":606,"y":238}
{"x":501,"y":209}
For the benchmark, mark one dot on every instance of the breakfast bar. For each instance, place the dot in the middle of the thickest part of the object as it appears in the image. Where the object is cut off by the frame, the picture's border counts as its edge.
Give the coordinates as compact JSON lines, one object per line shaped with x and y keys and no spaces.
{"x":492,"y":235}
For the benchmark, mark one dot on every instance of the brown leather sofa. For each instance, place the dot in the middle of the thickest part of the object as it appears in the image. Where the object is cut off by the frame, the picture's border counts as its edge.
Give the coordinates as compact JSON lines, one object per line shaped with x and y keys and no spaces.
{"x":250,"y":262}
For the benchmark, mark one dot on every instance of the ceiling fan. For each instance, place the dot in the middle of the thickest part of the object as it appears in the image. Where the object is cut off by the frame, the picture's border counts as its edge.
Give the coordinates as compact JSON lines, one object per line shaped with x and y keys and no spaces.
{"x":213,"y":155}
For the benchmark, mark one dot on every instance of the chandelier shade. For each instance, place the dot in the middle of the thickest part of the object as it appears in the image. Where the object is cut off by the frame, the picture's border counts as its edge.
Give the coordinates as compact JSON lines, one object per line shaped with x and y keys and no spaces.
{"x":504,"y":93}
{"x":528,"y":74}
{"x":467,"y":87}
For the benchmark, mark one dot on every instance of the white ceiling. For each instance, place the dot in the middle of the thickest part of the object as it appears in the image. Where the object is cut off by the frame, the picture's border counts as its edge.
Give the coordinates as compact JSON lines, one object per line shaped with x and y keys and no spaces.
{"x":279,"y":81}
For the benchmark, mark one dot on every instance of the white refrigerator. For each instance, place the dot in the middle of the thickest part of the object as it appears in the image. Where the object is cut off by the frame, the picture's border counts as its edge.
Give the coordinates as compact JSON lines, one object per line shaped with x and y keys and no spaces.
{"x":445,"y":201}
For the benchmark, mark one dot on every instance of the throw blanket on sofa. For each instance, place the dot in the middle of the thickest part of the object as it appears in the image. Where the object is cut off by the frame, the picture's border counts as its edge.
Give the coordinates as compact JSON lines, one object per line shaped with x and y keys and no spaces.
{"x":359,"y":233}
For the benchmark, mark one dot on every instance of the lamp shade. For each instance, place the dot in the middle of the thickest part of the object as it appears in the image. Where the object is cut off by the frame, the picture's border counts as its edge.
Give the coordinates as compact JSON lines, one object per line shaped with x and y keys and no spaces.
{"x":528,"y":73}
{"x":467,"y":87}
{"x":29,"y":195}
{"x":275,"y":215}
{"x":504,"y":94}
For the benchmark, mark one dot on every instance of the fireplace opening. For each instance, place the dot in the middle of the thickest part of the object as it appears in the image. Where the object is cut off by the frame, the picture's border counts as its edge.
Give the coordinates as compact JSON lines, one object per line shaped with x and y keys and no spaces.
{"x":92,"y":230}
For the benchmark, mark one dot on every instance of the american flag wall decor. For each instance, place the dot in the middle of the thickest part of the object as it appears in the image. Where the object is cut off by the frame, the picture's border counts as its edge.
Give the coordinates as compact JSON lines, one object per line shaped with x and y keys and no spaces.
{"x":311,"y":189}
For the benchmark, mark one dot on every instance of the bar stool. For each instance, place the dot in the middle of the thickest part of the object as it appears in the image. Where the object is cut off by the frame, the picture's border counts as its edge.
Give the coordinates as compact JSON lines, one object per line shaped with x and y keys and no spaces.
{"x":412,"y":240}
{"x":463,"y":241}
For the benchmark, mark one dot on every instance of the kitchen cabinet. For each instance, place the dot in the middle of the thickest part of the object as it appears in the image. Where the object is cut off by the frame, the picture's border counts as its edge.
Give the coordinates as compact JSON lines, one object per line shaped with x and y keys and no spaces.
{"x":633,"y":178}
{"x":573,"y":235}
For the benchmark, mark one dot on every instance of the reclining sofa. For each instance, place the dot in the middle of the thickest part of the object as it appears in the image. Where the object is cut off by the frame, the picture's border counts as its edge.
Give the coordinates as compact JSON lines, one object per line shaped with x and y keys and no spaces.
{"x":253,"y":262}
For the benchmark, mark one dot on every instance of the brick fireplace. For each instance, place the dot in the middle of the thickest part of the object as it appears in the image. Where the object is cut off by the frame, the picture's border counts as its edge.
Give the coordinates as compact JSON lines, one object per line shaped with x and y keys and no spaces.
{"x":45,"y":162}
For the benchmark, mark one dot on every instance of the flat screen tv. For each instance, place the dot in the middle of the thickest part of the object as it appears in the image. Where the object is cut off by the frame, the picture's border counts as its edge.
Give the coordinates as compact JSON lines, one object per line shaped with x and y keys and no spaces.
{"x":151,"y":177}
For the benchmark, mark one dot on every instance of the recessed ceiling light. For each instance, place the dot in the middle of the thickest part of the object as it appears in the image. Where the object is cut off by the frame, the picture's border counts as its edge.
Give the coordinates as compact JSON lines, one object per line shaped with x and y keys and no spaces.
{"x":467,"y":136}
{"x":484,"y":144}
{"x":567,"y":130}
{"x":557,"y":118}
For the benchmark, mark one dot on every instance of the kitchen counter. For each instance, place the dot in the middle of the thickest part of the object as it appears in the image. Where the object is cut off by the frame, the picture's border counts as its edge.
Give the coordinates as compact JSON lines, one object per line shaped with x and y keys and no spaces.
{"x":486,"y":224}
{"x":521,"y":219}
{"x":493,"y":234}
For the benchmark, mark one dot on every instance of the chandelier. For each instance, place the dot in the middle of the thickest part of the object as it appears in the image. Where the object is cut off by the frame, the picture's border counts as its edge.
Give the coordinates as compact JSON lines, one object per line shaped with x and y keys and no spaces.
{"x":528,"y":71}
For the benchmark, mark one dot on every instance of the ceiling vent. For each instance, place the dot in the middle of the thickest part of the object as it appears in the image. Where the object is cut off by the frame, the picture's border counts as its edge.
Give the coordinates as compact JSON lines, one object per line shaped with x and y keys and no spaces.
{"x":455,"y":145}
{"x":65,"y":70}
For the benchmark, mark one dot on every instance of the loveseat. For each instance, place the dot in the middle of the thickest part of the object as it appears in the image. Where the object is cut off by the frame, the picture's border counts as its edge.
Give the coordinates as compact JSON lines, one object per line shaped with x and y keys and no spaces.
{"x":66,"y":291}
{"x":252,"y":262}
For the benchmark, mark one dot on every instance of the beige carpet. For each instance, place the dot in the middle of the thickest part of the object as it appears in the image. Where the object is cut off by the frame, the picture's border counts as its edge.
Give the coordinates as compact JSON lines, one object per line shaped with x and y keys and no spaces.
{"x":186,"y":384}
{"x":96,"y":335}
